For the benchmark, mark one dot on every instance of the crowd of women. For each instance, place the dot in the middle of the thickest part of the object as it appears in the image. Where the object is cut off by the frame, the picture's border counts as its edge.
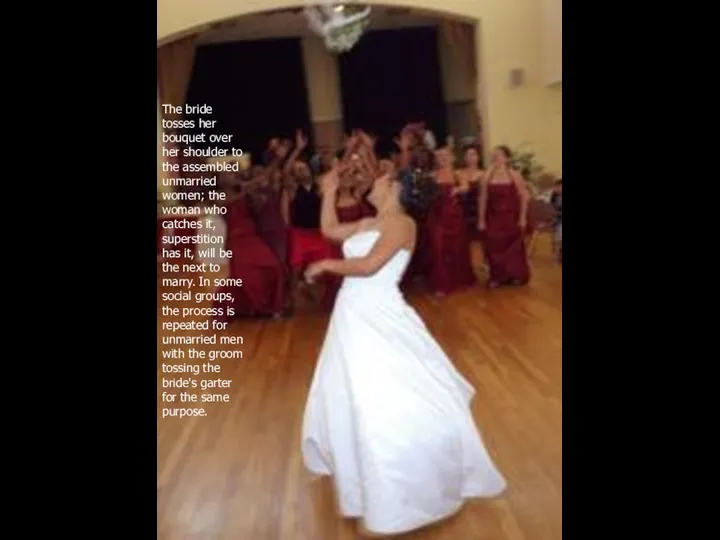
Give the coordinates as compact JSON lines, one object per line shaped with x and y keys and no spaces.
{"x":273,"y":218}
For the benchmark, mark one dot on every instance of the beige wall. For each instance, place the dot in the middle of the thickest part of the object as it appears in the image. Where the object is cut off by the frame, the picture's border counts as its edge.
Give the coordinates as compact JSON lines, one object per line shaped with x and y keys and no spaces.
{"x":510,"y":35}
{"x":552,"y":19}
{"x":322,"y":80}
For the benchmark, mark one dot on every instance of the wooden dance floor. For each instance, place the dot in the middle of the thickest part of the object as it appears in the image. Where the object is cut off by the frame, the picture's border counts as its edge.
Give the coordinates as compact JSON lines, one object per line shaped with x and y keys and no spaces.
{"x":237,"y":474}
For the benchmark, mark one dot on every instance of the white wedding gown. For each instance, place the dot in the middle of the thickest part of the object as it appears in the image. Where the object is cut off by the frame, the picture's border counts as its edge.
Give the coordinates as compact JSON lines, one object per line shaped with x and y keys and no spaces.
{"x":388,"y":415}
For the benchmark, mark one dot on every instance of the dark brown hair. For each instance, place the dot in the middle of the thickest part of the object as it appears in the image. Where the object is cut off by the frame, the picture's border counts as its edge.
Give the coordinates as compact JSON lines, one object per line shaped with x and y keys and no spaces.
{"x":418,"y":192}
{"x":505,"y":150}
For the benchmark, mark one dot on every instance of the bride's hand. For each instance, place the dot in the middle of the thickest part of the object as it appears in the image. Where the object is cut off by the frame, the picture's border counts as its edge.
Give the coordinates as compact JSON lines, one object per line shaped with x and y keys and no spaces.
{"x":314,"y":271}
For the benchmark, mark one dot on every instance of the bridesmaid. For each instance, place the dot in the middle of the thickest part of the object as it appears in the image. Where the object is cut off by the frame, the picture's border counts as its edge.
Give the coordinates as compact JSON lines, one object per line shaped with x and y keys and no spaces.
{"x":301,"y":204}
{"x":265,"y":200}
{"x":471,"y":173}
{"x":365,"y":164}
{"x":450,"y":267}
{"x":301,"y":209}
{"x":266,"y":206}
{"x":263,"y":275}
{"x":350,"y":206}
{"x":502,"y":220}
{"x":415,"y":156}
{"x":266,"y":194}
{"x":366,"y":210}
{"x":364,"y":181}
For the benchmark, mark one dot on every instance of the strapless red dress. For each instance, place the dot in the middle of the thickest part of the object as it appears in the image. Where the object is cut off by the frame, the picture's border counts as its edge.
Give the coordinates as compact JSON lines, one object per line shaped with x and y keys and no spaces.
{"x":263,"y":274}
{"x":448,"y":261}
{"x":503,"y":241}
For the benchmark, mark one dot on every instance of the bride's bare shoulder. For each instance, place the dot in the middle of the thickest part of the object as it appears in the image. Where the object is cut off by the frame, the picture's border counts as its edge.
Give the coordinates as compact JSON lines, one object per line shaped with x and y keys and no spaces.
{"x":367,"y":224}
{"x":400,"y":226}
{"x":394,"y":221}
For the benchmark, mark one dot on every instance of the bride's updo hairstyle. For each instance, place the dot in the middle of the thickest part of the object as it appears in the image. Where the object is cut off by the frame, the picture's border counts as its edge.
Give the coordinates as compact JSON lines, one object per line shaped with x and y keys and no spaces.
{"x":418,"y":190}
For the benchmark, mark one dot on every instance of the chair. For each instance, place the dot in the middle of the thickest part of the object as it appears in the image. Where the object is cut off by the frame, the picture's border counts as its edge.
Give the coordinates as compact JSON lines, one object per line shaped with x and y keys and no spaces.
{"x":545,"y":182}
{"x":541,"y":220}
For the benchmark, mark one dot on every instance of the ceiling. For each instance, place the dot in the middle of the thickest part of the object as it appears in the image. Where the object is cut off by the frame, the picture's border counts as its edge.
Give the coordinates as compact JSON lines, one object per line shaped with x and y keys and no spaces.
{"x":292,"y":23}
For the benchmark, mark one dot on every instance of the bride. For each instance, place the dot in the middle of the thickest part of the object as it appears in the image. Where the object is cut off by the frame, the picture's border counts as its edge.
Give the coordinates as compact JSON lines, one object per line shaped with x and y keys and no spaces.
{"x":388,"y":415}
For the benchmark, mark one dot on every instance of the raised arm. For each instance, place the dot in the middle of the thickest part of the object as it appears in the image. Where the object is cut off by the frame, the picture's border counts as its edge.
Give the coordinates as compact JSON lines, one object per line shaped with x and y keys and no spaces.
{"x":330,"y":227}
{"x":367,"y":151}
{"x":369,"y":170}
{"x":286,"y":198}
{"x":351,"y":145}
{"x":274,"y":164}
{"x":395,"y":235}
{"x":300,"y":144}
{"x":368,"y":160}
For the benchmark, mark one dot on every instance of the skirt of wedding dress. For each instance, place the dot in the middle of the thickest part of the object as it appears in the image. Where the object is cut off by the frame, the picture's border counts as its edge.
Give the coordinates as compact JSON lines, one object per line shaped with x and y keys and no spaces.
{"x":388,"y":416}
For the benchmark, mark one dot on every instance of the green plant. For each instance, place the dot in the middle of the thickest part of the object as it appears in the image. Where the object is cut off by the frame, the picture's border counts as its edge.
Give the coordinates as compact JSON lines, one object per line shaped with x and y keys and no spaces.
{"x":525,"y":162}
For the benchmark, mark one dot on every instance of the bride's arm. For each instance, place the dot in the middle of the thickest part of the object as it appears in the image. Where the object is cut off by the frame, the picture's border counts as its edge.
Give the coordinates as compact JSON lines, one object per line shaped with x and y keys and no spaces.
{"x":342,"y":231}
{"x":330,"y":227}
{"x":395,"y":235}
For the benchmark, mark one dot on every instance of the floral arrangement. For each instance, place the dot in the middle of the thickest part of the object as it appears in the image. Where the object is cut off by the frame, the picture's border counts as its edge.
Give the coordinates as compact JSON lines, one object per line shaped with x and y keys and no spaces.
{"x":525,"y":162}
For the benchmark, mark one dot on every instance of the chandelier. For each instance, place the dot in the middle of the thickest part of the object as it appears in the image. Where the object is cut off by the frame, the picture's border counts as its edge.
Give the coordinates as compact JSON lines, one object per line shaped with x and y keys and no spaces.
{"x":339,"y":25}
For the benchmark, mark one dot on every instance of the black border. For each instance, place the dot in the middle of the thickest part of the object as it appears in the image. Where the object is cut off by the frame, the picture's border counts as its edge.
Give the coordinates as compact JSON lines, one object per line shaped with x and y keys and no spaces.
{"x":587,"y":150}
{"x":622,"y":123}
{"x":88,"y":452}
{"x":90,"y":449}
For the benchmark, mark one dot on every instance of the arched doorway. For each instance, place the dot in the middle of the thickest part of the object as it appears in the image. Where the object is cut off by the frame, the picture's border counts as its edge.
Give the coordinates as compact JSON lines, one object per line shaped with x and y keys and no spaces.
{"x":509,"y":36}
